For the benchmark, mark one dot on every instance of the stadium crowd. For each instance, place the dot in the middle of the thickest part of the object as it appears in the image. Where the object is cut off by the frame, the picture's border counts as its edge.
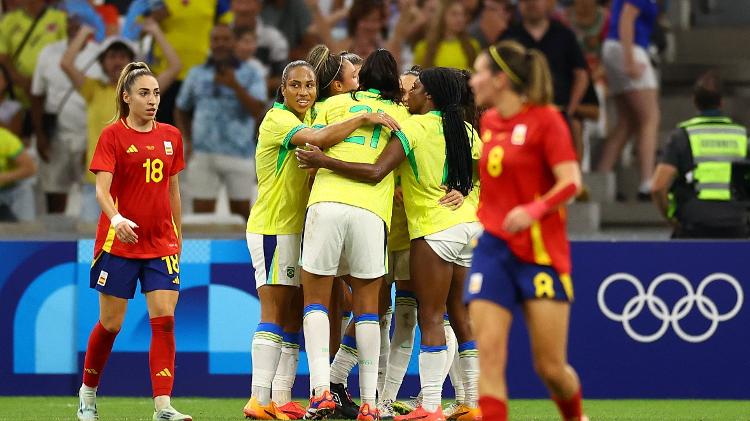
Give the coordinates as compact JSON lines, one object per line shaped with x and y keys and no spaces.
{"x":59,"y":61}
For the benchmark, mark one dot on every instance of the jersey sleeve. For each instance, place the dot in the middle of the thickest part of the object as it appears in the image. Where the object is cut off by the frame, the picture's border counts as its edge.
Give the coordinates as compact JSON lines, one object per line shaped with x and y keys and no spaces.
{"x":10,"y":144}
{"x":558,"y":144}
{"x":105,"y":156}
{"x":179,"y":156}
{"x":284,"y":125}
{"x":408,"y":135}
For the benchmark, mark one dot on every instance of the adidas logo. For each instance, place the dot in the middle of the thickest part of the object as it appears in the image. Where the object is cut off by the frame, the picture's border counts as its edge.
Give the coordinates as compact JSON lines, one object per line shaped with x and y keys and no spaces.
{"x":132,"y":149}
{"x":90,"y":371}
{"x":164,"y":373}
{"x":176,"y":280}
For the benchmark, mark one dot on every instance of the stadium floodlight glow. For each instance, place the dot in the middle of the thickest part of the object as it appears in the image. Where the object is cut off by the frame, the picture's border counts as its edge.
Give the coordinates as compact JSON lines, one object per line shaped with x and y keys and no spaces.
{"x":660,"y":310}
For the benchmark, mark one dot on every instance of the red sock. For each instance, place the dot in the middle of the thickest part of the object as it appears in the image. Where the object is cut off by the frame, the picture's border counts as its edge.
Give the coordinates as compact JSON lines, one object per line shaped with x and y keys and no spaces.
{"x":97,"y":353}
{"x":493,"y":409}
{"x":571,"y":408}
{"x":161,"y":355}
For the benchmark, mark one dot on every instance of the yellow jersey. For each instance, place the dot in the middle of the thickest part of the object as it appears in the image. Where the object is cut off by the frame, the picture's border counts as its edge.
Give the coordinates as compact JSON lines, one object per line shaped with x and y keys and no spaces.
{"x":51,"y":28}
{"x":422,"y":174}
{"x":100,"y":112}
{"x":398,"y":236}
{"x":476,"y":153}
{"x":364,"y":145}
{"x":10,"y":148}
{"x":449,"y":54}
{"x":282,"y":185}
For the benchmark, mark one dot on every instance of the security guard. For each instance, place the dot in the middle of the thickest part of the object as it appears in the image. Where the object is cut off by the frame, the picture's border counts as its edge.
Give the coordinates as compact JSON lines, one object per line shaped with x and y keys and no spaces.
{"x":692,"y":183}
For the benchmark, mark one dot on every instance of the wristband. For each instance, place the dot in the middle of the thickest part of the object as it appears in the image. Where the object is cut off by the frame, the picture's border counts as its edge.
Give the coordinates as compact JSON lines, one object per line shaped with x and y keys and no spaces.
{"x":117,"y":220}
{"x":536,"y":209}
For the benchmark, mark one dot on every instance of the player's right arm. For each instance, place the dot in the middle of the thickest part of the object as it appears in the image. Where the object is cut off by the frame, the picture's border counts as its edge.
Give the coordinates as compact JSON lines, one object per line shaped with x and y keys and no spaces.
{"x":67,"y":63}
{"x":332,"y":134}
{"x":123,"y":227}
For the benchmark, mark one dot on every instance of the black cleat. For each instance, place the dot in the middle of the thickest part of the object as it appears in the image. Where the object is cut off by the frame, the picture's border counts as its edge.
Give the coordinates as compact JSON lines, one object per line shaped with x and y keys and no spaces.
{"x":346,"y":408}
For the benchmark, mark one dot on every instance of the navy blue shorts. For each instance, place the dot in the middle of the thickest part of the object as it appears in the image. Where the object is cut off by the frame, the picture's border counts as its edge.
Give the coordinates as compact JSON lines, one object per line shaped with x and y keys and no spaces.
{"x":117,"y":276}
{"x":497,"y":275}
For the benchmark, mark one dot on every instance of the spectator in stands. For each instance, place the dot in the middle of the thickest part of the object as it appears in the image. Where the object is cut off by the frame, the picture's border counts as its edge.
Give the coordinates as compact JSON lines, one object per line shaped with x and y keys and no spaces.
{"x":59,"y":117}
{"x":558,"y":43}
{"x":492,"y":21}
{"x":187,"y":27}
{"x":217,"y":109}
{"x":632,"y":82}
{"x":293,"y":19}
{"x":447,"y":43}
{"x":11,"y":111}
{"x":590,"y":22}
{"x":245,"y":48}
{"x":115,"y":54}
{"x":23,"y":34}
{"x":692,"y":183}
{"x":16,"y":164}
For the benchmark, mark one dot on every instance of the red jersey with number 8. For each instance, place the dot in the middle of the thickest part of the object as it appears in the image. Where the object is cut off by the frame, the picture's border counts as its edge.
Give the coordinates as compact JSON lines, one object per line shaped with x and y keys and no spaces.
{"x":141,"y":164}
{"x":515,"y":169}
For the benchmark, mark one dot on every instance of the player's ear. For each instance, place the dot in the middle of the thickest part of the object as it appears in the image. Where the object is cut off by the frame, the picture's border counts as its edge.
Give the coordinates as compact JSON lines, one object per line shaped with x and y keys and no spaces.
{"x":338,"y":86}
{"x":125,"y":97}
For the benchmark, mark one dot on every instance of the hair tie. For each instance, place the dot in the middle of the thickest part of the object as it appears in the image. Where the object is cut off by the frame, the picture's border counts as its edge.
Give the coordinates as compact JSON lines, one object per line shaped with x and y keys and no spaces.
{"x":341,"y":61}
{"x":503,"y":65}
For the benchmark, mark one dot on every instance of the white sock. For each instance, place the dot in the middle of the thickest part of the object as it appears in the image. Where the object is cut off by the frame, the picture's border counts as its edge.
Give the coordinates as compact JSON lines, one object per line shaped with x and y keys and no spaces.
{"x":385,"y":348}
{"x":368,"y":348}
{"x":469,"y":362}
{"x":88,"y":394}
{"x":452,"y":345}
{"x":345,"y":319}
{"x":401,"y":343}
{"x":344,"y":361}
{"x":287,"y":370}
{"x":457,"y":379}
{"x":431,"y":374}
{"x":266,"y":351}
{"x":317,"y":335}
{"x":88,"y":389}
{"x":161,"y":402}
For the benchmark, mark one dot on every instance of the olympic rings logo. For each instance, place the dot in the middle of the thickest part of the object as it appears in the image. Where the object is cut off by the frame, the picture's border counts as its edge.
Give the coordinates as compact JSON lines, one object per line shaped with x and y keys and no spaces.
{"x":661,"y":311}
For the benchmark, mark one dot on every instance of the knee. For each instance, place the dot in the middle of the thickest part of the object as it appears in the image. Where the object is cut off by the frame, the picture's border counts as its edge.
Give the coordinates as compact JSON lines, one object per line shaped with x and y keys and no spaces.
{"x":112,"y":323}
{"x":430,"y":318}
{"x":550,"y":370}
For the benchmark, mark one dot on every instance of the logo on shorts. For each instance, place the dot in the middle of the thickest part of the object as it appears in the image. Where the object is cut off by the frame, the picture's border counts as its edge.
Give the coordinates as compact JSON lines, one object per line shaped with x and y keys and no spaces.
{"x":290,"y":272}
{"x":102,"y":278}
{"x":475,"y":283}
{"x":518,"y":137}
{"x":176,"y":280}
{"x":132,"y":149}
{"x":168,"y":148}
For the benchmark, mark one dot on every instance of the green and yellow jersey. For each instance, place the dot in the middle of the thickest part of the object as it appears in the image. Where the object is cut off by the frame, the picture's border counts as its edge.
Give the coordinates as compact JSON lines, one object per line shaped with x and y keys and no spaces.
{"x":282,"y":185}
{"x":364,"y":145}
{"x":476,"y":153}
{"x":422,"y":174}
{"x":398,"y":236}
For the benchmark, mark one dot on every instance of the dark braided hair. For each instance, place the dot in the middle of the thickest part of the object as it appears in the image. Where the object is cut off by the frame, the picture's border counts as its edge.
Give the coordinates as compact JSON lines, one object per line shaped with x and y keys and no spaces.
{"x":380,"y":72}
{"x":444,"y":86}
{"x":466,"y":100}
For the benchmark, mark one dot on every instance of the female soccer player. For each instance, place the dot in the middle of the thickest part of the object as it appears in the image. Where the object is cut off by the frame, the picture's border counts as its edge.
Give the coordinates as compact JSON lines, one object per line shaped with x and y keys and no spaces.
{"x":528,"y":171}
{"x":136,"y":163}
{"x":274,"y":227}
{"x":349,"y":219}
{"x":435,"y":146}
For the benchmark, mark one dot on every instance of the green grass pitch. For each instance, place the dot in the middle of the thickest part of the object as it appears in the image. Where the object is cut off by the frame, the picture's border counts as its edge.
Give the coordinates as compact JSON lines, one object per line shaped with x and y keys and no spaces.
{"x":140,"y":409}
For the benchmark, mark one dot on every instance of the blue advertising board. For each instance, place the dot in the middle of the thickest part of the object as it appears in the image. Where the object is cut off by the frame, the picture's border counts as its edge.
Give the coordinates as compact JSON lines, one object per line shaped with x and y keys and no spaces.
{"x":650,"y":320}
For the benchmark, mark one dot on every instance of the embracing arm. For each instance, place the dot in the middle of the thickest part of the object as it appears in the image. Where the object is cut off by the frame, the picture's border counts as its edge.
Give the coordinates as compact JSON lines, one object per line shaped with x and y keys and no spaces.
{"x":333,"y":134}
{"x":388,"y":160}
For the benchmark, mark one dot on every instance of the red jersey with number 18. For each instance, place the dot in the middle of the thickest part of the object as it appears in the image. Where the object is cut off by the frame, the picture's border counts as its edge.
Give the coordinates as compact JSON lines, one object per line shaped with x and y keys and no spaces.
{"x":515,"y":169}
{"x":141,"y":164}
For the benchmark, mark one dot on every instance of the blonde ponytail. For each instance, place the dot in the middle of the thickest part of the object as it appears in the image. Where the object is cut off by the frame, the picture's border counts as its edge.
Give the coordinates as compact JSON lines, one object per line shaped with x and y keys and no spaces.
{"x":527,"y":70}
{"x":539,"y":84}
{"x":132,"y":72}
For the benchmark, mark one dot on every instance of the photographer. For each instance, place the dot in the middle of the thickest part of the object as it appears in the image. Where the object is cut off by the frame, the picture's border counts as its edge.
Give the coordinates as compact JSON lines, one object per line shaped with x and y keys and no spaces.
{"x":692,"y":183}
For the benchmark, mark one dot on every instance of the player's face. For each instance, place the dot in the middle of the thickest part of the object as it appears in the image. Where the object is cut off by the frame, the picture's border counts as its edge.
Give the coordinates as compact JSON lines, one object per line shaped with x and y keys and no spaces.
{"x":143,"y":98}
{"x":299,"y":90}
{"x":114,"y":61}
{"x":455,"y":19}
{"x":418,"y":98}
{"x":483,"y":83}
{"x":349,"y":77}
{"x":407,"y":81}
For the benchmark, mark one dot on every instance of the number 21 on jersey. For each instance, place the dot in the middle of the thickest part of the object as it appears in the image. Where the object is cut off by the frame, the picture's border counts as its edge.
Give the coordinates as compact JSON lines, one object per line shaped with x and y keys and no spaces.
{"x":360,"y":140}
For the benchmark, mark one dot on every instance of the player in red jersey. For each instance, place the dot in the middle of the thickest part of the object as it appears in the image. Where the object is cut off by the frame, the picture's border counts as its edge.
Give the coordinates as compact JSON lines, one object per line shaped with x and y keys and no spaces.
{"x":528,"y":171}
{"x":136,"y":163}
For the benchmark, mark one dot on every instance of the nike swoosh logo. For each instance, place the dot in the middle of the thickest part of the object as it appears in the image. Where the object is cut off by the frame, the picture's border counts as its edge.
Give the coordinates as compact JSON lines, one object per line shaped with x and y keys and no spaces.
{"x":271,"y":414}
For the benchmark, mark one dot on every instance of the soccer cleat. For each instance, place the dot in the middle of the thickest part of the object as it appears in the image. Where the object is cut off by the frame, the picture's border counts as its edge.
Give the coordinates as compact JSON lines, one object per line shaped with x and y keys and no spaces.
{"x":406,"y":407}
{"x":346,"y":408}
{"x":254,"y":410}
{"x":320,"y":406}
{"x":293,"y":410}
{"x":421,"y":414}
{"x":461,"y":412}
{"x":170,"y":414}
{"x":385,"y":407}
{"x":368,"y":414}
{"x":87,"y":405}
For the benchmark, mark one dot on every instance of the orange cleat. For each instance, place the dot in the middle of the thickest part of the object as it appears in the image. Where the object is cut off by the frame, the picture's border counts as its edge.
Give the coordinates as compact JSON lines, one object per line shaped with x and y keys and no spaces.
{"x":368,"y":414}
{"x":464,"y":413}
{"x":320,"y":406}
{"x":293,"y":410}
{"x":421,"y":414}
{"x":254,"y":410}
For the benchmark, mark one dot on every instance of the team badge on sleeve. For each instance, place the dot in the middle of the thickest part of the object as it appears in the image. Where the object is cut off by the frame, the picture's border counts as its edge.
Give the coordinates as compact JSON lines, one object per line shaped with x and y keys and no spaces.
{"x":168,"y":148}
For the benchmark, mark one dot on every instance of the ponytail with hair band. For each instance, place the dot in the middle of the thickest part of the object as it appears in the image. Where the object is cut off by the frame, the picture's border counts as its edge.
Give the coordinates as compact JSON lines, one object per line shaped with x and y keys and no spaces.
{"x":335,"y":75}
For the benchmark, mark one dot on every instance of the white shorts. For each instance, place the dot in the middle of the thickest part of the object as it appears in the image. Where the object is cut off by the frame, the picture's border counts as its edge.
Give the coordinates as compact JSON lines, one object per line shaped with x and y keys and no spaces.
{"x":455,"y":244}
{"x":65,"y":167}
{"x":334,"y":231}
{"x":614,"y":64}
{"x":206,"y":172}
{"x":398,"y":266}
{"x":275,"y":258}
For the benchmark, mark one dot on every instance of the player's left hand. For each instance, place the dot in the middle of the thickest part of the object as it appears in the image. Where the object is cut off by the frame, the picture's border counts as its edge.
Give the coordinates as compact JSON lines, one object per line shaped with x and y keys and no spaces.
{"x":313,"y":157}
{"x":453,"y":199}
{"x":517,"y":220}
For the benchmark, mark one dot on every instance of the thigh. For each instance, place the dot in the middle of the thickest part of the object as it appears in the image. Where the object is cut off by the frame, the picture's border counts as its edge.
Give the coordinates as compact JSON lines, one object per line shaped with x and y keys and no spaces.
{"x":161,"y":274}
{"x":275,"y":258}
{"x":431,"y":277}
{"x":323,"y":238}
{"x":201,"y":179}
{"x":112,"y":311}
{"x":238,"y":175}
{"x":365,"y":293}
{"x":643,"y":104}
{"x":547,"y":322}
{"x":114,"y":275}
{"x":161,"y":302}
{"x":365,"y":247}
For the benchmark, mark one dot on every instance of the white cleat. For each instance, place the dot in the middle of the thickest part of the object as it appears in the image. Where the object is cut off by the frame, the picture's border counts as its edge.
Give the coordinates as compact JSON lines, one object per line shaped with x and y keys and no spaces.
{"x":170,"y":414}
{"x":87,"y":405}
{"x":385,"y":407}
